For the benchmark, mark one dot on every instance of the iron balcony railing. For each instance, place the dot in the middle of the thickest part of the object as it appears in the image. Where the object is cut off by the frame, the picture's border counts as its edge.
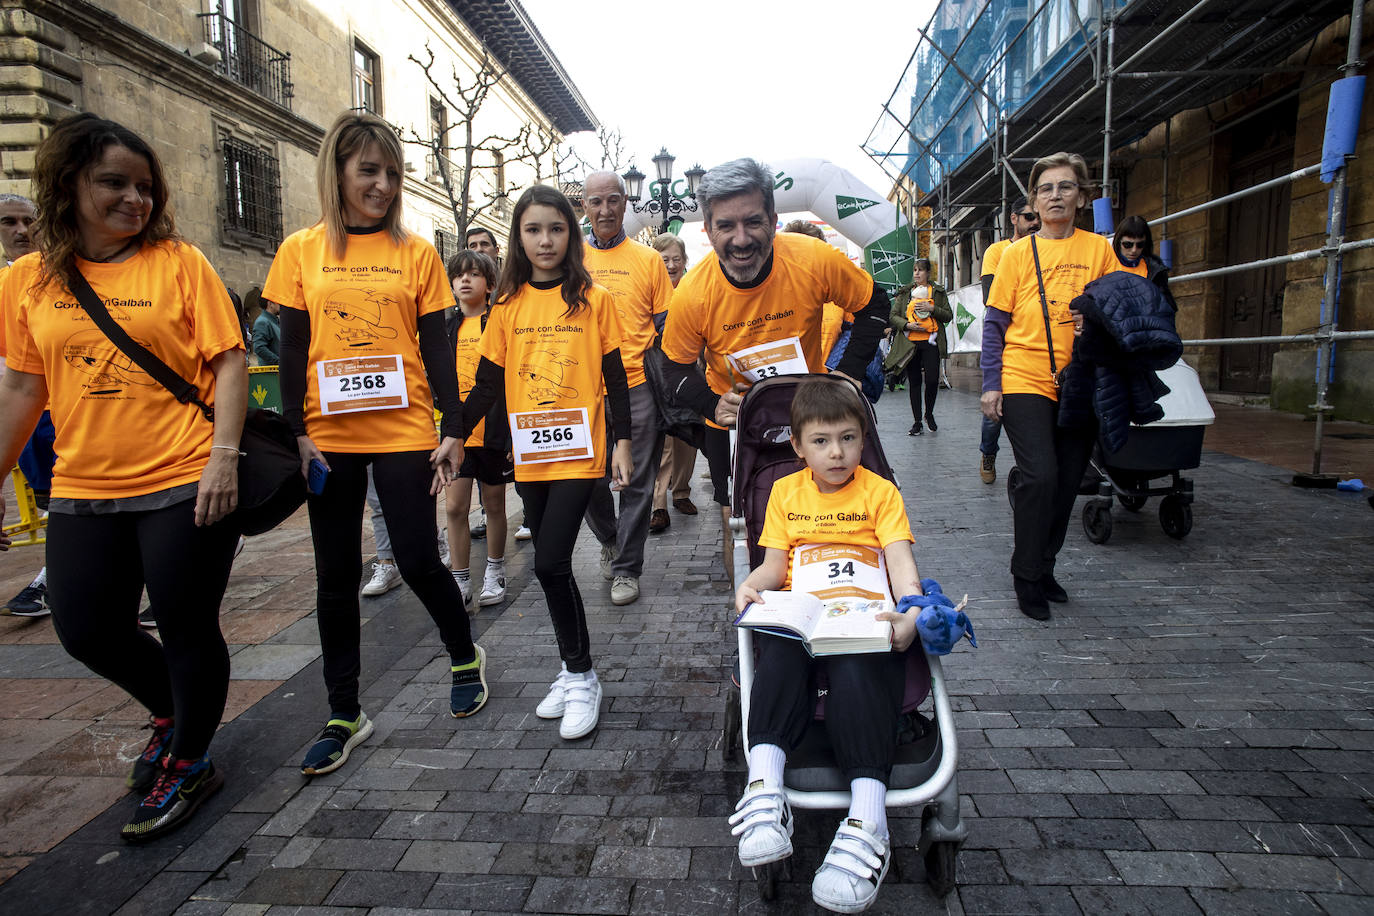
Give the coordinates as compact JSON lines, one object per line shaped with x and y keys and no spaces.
{"x":248,"y":60}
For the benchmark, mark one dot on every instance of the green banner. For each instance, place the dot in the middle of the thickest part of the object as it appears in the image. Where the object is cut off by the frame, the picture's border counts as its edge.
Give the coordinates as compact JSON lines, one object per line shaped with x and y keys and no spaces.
{"x":264,"y":387}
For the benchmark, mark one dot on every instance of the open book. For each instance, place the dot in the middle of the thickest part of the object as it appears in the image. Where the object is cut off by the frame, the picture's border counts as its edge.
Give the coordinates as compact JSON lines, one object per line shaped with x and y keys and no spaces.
{"x":837,"y":591}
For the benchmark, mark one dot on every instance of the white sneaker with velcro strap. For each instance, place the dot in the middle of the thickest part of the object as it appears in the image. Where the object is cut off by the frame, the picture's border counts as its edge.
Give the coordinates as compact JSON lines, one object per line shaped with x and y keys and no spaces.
{"x":853,"y":870}
{"x":763,"y":823}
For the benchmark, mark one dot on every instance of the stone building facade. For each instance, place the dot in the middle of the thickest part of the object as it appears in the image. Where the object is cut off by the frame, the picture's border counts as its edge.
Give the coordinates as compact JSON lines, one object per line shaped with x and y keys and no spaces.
{"x":236,"y":95}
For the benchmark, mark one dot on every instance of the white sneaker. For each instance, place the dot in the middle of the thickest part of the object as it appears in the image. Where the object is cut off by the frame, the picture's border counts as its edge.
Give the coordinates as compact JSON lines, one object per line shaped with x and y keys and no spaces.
{"x":853,"y":870}
{"x":608,"y":555}
{"x":763,"y":823}
{"x":493,"y":588}
{"x":385,"y":577}
{"x":523,"y":533}
{"x":443,"y":546}
{"x":464,"y":586}
{"x":624,"y":590}
{"x":551,"y":707}
{"x":238,"y":548}
{"x":581,"y":705}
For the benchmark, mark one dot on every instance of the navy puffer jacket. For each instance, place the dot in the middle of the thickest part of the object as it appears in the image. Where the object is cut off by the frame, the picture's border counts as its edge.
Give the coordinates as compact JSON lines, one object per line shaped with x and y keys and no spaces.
{"x":1128,"y":334}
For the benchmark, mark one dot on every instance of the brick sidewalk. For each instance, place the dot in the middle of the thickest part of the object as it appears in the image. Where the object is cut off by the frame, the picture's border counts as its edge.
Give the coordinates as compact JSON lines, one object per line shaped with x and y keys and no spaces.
{"x":1191,"y":733}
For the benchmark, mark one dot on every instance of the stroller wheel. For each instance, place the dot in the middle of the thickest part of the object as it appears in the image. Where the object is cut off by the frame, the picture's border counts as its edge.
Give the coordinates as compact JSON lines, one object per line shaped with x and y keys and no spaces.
{"x":940,"y":861}
{"x":1097,"y":520}
{"x":1131,"y":502}
{"x":730,"y":738}
{"x":1175,"y":517}
{"x":1013,"y":478}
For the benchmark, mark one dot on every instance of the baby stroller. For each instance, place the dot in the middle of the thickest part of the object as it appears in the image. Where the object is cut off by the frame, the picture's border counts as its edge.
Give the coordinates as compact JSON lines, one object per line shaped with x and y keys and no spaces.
{"x":923,"y":773}
{"x":1155,"y":450}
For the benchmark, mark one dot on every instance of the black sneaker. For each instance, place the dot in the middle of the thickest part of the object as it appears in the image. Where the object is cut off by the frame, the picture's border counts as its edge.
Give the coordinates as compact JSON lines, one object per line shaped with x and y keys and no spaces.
{"x":915,"y":430}
{"x":146,"y":767}
{"x":930,"y":421}
{"x":479,"y":531}
{"x":32,"y":601}
{"x":179,"y":789}
{"x":147,"y":620}
{"x":334,"y":745}
{"x":469,"y":691}
{"x":1030,"y":598}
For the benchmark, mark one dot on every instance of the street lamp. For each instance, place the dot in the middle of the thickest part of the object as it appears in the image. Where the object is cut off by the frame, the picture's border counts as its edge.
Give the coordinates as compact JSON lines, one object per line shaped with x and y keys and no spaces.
{"x":663,"y":205}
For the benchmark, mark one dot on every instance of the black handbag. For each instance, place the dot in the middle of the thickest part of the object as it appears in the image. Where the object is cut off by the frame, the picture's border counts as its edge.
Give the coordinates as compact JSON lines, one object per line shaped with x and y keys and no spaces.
{"x":675,"y":418}
{"x":270,"y":483}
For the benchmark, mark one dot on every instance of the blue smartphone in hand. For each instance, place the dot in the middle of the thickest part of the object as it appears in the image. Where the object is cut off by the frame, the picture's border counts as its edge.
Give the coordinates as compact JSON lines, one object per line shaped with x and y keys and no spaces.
{"x":314,"y":481}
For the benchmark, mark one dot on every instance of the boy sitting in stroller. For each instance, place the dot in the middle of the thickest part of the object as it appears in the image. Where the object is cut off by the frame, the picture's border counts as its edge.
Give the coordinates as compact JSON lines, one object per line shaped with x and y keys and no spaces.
{"x":834,"y":500}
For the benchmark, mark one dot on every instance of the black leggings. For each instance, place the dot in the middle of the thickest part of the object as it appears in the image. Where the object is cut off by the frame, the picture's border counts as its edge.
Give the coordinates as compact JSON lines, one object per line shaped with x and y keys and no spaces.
{"x":553,"y":512}
{"x":861,"y":707}
{"x":98,"y":566}
{"x":1050,"y":460}
{"x":925,"y":361}
{"x":336,"y":528}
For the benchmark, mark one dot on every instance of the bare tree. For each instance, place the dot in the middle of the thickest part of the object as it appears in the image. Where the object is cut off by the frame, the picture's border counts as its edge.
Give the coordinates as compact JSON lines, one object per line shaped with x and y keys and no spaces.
{"x":572,"y":166}
{"x":458,"y":143}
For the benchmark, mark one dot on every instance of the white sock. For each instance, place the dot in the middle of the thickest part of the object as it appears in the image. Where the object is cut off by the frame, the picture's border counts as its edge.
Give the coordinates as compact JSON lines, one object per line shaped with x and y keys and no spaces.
{"x":462,"y":575}
{"x":765,"y":763}
{"x":40,"y":580}
{"x":497,"y":565}
{"x":868,"y":803}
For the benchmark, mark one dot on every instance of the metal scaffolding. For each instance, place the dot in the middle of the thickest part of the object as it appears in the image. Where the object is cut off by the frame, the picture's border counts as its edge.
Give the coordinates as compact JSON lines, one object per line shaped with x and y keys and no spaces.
{"x":987,"y":91}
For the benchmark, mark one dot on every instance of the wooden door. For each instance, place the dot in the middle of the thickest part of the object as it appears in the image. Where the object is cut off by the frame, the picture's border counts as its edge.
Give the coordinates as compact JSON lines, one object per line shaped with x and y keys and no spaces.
{"x":1257,"y":227}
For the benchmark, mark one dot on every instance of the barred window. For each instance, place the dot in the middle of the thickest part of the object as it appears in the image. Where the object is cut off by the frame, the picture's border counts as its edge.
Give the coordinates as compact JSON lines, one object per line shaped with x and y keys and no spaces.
{"x":446,"y":243}
{"x":252,"y":191}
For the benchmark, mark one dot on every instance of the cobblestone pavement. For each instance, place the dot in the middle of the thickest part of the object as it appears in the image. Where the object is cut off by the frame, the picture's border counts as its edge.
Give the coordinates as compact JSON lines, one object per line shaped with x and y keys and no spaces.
{"x":1191,"y":733}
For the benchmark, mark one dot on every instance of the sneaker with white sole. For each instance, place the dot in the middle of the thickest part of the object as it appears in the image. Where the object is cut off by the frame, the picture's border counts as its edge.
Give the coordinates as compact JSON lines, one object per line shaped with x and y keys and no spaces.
{"x":493,"y":588}
{"x":464,"y":586}
{"x":337,"y":740}
{"x":551,"y":707}
{"x":624,"y":590}
{"x":763,"y":823}
{"x":469,"y":691}
{"x":853,"y":870}
{"x":608,"y":555}
{"x":32,"y":601}
{"x":581,"y":705}
{"x":385,"y":577}
{"x":523,"y":533}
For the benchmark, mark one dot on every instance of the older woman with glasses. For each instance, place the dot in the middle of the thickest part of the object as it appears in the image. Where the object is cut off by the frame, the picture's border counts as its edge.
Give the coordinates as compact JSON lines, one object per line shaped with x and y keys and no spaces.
{"x":1028,"y":335}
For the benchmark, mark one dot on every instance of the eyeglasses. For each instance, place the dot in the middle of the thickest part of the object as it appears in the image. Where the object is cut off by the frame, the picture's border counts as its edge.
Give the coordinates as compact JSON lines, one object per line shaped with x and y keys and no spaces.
{"x":1133,"y":245}
{"x":1029,"y":216}
{"x":1065,"y":188}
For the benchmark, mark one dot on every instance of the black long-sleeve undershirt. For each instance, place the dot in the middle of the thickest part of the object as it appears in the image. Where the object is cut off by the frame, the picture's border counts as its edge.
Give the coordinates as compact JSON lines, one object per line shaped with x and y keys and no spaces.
{"x":491,"y":379}
{"x":434,"y":353}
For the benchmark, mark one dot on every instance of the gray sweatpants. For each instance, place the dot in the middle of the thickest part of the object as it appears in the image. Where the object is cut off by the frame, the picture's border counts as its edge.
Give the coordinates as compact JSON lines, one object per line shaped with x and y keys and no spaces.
{"x":632,"y":529}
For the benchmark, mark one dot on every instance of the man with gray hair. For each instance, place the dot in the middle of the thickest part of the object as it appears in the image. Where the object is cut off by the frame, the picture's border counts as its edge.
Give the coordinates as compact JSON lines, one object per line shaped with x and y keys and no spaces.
{"x":636,"y":277}
{"x":754,"y":304}
{"x":17,"y":216}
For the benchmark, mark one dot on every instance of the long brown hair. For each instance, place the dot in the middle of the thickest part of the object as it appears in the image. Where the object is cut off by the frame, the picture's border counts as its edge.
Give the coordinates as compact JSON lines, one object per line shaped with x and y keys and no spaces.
{"x":517,"y":270}
{"x":353,"y":131}
{"x":75,"y":145}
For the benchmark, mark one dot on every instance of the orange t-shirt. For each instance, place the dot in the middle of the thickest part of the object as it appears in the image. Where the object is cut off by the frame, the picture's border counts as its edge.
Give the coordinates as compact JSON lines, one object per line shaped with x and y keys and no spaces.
{"x":635,"y":276}
{"x":993,"y":256}
{"x":832,"y":321}
{"x":1140,"y":270}
{"x":120,"y":433}
{"x":466,"y":355}
{"x":4,"y":269}
{"x":708,"y":310}
{"x":925,"y":326}
{"x":867,"y":512}
{"x":364,"y":310}
{"x":552,"y":365}
{"x":1067,"y":266}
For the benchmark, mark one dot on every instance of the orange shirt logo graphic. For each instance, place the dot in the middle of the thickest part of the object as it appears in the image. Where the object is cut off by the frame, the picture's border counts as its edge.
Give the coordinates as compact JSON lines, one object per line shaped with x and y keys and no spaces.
{"x":542,"y":372}
{"x":360,"y":313}
{"x":109,"y":371}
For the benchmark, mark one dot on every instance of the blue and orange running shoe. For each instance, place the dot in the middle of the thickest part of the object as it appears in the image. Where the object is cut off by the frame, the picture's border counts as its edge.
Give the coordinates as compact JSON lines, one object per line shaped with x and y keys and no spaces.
{"x":146,"y":767}
{"x":180,"y":788}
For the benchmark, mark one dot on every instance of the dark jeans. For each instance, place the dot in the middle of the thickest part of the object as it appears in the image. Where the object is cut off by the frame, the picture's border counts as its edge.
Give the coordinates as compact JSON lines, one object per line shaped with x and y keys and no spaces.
{"x":861,"y":707}
{"x":553,"y":511}
{"x":336,"y":527}
{"x":925,"y":361}
{"x":98,"y":567}
{"x":992,"y":431}
{"x":1050,"y":460}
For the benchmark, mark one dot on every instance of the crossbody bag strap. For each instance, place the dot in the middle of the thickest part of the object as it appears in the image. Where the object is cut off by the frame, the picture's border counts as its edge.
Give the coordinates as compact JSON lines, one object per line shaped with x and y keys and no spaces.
{"x":1045,"y":311}
{"x":163,"y":374}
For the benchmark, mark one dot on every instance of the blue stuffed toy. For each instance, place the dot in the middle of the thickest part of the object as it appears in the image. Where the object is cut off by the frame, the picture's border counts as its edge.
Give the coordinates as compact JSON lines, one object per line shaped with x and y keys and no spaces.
{"x":940,"y":624}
